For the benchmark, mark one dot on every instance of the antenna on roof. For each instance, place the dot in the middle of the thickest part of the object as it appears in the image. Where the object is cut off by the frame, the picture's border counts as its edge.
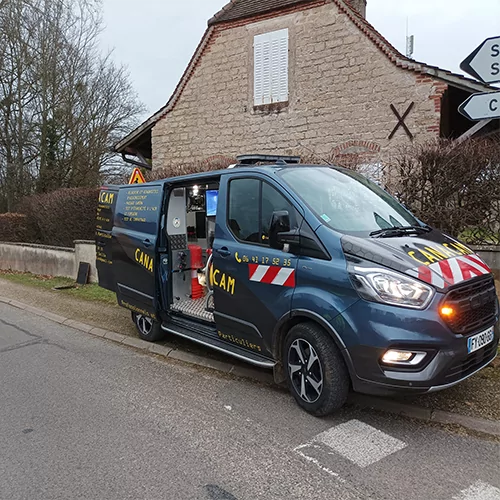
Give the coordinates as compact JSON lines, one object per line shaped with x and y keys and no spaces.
{"x":410,"y":42}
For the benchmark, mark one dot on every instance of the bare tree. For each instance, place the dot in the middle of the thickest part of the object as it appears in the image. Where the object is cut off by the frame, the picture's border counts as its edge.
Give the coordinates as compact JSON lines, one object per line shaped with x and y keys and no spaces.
{"x":62,"y":103}
{"x":454,"y":187}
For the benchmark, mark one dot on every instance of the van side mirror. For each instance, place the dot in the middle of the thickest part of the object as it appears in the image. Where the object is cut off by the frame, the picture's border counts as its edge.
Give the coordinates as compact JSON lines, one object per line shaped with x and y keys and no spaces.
{"x":279,"y":231}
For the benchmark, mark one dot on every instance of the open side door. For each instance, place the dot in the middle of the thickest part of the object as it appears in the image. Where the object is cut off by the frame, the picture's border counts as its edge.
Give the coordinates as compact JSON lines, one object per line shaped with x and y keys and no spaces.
{"x":103,"y":236}
{"x":134,"y":247}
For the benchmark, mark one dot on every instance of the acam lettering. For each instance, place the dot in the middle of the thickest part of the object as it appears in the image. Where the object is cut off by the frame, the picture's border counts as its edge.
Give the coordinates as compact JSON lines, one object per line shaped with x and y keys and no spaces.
{"x":221,"y":280}
{"x":106,"y":197}
{"x":144,"y":260}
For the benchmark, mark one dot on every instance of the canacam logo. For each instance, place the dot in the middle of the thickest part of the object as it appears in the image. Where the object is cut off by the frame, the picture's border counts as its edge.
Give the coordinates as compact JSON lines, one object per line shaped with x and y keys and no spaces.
{"x":429,"y":255}
{"x":105,"y":197}
{"x":218,"y":279}
{"x":144,"y":260}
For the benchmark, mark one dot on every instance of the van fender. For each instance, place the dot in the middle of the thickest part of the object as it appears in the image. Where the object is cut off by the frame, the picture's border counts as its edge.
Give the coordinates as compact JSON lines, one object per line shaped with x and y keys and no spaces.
{"x":293,"y":318}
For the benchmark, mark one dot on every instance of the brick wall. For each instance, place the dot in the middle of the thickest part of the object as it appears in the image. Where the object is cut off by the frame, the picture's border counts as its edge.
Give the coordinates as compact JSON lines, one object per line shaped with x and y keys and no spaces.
{"x":341,"y":89}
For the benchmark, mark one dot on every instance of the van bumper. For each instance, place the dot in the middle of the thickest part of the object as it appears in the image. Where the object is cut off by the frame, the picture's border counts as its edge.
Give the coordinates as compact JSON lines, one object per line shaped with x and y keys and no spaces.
{"x":447,"y":362}
{"x":446,"y":370}
{"x":419,"y":385}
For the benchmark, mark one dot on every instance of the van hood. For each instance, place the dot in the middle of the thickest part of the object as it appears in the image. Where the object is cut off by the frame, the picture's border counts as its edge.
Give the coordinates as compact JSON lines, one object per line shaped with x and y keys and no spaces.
{"x":432,"y":257}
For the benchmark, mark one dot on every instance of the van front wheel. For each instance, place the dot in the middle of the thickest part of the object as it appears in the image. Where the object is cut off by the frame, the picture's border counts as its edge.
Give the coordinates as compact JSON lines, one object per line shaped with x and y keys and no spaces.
{"x":316,"y":373}
{"x":147,"y":328}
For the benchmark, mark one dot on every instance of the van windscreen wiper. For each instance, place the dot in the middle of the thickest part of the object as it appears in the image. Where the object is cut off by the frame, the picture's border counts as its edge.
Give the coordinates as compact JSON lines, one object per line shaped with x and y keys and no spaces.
{"x":395,"y":231}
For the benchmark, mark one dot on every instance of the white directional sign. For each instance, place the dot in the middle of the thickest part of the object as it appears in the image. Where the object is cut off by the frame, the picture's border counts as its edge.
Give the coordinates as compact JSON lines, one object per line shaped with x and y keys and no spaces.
{"x":484,"y":62}
{"x":482,"y":106}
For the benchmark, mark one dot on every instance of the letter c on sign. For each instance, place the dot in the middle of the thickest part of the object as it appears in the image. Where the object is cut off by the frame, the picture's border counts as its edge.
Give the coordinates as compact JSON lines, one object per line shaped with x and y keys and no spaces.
{"x":494,"y":105}
{"x":216,"y":272}
{"x":137,"y":252}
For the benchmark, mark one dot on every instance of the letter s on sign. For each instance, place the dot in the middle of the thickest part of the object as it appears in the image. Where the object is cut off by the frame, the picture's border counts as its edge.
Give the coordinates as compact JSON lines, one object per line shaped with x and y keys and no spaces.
{"x":495,"y":50}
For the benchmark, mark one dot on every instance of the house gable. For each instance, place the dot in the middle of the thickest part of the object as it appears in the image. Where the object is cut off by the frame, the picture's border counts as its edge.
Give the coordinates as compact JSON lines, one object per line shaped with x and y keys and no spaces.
{"x":230,"y":18}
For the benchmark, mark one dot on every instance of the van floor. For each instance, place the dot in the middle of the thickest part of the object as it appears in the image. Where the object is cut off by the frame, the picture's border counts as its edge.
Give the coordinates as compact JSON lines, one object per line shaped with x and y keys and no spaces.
{"x":195,"y":308}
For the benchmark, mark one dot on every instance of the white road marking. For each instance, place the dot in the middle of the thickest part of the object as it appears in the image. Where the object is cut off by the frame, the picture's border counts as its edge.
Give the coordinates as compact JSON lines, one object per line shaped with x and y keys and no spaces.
{"x":360,"y":443}
{"x":479,"y":491}
{"x":316,"y":461}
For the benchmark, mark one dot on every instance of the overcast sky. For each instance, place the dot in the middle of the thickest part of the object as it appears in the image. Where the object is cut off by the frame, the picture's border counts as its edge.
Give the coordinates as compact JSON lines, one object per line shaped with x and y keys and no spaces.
{"x":156,"y":38}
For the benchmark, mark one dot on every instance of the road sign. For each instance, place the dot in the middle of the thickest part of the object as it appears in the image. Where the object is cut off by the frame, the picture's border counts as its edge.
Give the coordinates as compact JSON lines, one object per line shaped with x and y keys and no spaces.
{"x":485,"y":106}
{"x":137,"y":177}
{"x":484,"y":62}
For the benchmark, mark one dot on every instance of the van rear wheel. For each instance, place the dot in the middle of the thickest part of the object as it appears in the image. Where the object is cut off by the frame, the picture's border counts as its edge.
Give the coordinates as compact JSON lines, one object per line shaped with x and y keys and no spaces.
{"x":147,"y":328}
{"x":316,"y":373}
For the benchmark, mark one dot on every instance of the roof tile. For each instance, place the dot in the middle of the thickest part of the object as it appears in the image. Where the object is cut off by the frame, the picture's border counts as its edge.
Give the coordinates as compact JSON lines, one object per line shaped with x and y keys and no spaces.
{"x":239,"y":9}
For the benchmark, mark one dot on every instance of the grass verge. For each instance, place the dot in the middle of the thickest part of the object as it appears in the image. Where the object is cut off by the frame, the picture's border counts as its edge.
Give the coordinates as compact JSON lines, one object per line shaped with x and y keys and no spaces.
{"x":90,"y":292}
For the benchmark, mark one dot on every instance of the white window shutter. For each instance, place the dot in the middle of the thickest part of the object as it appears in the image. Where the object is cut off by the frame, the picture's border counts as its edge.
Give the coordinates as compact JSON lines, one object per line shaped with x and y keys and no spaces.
{"x":266,"y":71}
{"x":283,"y":73}
{"x":258,"y":70}
{"x":271,"y":67}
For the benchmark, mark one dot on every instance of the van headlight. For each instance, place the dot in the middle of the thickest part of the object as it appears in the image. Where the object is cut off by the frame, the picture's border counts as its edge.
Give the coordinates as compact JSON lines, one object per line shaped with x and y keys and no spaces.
{"x":389,"y":287}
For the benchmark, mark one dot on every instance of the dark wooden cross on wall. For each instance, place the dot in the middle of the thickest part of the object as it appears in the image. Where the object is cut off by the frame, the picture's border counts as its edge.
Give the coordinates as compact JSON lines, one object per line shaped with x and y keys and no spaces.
{"x":401,"y":121}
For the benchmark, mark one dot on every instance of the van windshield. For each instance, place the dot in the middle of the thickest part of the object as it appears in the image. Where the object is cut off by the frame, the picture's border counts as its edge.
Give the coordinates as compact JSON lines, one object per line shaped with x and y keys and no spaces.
{"x":347,"y":201}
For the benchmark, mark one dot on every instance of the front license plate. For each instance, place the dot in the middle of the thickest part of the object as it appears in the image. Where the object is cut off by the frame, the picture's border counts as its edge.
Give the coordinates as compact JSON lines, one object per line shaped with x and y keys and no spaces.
{"x":480,"y":340}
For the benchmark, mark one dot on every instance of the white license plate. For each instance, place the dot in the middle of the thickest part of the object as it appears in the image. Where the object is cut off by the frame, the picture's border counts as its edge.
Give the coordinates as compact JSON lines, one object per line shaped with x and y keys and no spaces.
{"x":480,"y":340}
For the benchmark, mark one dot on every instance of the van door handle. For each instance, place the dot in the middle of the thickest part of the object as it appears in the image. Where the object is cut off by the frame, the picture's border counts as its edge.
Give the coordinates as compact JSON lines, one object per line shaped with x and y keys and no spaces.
{"x":147,"y":243}
{"x":223,"y":252}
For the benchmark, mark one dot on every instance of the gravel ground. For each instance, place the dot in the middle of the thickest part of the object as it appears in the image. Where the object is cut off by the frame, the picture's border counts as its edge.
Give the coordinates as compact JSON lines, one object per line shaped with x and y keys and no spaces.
{"x":478,"y":396}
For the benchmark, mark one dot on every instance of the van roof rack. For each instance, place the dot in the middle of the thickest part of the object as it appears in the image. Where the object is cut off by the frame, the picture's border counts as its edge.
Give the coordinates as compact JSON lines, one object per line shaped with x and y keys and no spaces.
{"x":279,"y":159}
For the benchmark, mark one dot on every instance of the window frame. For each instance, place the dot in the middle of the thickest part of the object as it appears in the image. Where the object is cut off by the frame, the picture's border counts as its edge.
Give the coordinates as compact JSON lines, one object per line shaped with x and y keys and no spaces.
{"x":261,"y":183}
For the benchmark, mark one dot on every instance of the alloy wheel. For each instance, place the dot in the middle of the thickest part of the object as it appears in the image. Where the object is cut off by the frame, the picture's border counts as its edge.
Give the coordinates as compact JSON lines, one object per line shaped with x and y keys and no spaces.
{"x":305,"y":370}
{"x":144,"y":324}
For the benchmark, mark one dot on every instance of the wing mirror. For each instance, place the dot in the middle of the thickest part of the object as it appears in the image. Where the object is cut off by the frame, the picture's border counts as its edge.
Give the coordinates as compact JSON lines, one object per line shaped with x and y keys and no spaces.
{"x":279,"y":231}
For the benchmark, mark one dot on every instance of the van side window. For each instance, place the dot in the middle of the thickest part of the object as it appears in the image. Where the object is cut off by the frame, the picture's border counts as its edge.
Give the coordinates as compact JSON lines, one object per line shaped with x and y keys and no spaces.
{"x":243,"y":213}
{"x":251,"y":206}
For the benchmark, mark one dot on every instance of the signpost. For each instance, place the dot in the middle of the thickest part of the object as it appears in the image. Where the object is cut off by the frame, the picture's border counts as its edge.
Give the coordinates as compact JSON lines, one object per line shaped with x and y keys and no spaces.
{"x":137,"y":177}
{"x":483,"y":64}
{"x":484,"y":106}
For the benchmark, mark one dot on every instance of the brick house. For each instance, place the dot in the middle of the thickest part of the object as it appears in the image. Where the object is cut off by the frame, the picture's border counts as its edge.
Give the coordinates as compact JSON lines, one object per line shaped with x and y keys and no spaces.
{"x":300,"y":77}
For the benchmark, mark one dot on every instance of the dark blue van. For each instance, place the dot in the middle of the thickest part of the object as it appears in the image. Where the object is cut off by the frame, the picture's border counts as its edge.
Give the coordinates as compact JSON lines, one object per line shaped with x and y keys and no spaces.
{"x":312,"y":271}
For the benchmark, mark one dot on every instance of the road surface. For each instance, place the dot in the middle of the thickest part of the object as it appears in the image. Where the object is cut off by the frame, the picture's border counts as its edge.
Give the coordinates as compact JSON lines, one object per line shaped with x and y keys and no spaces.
{"x":83,"y":418}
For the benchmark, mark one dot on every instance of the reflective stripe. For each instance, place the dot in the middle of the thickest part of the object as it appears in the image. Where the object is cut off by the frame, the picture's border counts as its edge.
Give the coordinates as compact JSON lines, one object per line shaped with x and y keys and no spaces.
{"x":437,"y":276}
{"x":457,"y":272}
{"x":272,"y":275}
{"x":259,"y":273}
{"x":283,"y":276}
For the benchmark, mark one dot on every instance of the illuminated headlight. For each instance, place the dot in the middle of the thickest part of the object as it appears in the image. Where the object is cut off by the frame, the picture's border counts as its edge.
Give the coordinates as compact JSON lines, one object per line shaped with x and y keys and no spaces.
{"x":396,"y":357}
{"x":389,"y":287}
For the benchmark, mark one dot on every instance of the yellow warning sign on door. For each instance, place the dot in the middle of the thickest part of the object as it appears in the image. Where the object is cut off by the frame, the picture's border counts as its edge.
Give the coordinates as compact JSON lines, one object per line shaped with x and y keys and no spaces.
{"x":137,"y":177}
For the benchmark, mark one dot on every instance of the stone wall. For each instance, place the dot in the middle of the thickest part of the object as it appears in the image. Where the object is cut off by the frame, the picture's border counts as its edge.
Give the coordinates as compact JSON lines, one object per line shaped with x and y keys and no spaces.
{"x":47,"y":260}
{"x":341,"y":87}
{"x":490,"y":255}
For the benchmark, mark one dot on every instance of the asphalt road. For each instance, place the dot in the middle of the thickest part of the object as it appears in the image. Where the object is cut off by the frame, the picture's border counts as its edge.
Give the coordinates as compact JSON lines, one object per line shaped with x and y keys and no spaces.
{"x":83,"y":418}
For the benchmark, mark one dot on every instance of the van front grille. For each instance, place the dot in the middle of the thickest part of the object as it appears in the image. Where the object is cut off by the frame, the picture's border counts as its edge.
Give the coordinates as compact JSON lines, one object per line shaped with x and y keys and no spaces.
{"x":475,"y":306}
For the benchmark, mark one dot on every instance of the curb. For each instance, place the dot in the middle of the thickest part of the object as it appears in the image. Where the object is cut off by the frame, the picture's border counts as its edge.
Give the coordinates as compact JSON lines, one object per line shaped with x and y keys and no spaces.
{"x":483,"y":426}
